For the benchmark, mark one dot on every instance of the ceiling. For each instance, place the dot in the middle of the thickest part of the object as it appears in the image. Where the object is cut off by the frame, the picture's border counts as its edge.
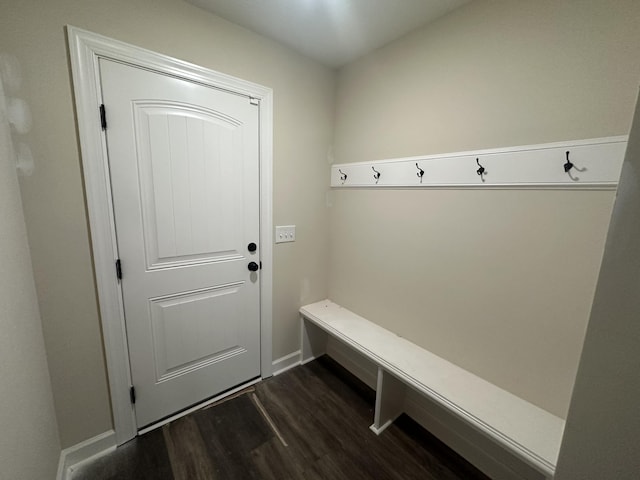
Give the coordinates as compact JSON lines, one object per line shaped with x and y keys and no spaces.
{"x":333,"y":32}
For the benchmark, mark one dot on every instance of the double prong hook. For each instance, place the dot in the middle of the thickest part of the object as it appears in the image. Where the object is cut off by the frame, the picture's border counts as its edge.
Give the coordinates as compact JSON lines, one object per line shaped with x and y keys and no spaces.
{"x":481,"y":171}
{"x":569,"y":166}
{"x":376,"y":174}
{"x":420,"y":173}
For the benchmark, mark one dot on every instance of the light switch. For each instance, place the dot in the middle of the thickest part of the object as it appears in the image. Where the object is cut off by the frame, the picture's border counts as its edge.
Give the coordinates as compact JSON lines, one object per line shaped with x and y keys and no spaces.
{"x":285,"y":233}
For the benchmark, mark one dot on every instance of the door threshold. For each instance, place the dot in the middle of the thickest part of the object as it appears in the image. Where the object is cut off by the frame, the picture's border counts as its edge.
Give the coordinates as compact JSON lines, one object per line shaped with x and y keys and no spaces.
{"x":199,"y":406}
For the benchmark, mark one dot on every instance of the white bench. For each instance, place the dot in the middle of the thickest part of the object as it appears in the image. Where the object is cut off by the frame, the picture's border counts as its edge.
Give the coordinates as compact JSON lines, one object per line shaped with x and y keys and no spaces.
{"x":530,"y":433}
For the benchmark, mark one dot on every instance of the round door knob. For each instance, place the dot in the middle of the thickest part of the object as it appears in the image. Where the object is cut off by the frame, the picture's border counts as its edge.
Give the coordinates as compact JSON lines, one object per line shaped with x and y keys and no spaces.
{"x":253,"y":266}
{"x":252,"y":247}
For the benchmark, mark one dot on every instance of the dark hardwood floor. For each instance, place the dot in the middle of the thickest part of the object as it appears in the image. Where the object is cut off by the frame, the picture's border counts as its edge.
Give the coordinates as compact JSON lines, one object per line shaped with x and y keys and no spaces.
{"x":320,"y":418}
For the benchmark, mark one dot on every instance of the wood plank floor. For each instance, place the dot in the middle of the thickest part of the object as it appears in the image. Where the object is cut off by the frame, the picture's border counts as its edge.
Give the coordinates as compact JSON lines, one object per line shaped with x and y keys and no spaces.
{"x":310,"y":423}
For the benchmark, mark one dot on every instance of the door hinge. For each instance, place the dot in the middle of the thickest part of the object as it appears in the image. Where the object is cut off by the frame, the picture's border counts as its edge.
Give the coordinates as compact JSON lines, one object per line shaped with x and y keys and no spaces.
{"x":132,"y":394}
{"x":103,"y":117}
{"x":254,"y":101}
{"x":118,"y":269}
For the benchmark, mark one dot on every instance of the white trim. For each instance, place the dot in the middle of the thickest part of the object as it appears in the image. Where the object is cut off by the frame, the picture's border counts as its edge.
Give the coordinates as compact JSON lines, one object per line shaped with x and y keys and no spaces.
{"x":85,"y":451}
{"x":379,"y":430}
{"x":85,"y":49}
{"x":597,"y":161}
{"x":282,"y":364}
{"x":266,"y":226}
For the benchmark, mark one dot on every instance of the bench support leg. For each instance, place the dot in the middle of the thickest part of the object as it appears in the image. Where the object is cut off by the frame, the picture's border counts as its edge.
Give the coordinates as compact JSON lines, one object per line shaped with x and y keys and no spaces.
{"x":313,"y":343}
{"x":390,"y":396}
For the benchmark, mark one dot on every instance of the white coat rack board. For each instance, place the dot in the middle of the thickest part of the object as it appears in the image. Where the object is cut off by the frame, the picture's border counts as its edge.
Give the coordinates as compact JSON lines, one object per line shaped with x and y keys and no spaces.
{"x":593,"y":164}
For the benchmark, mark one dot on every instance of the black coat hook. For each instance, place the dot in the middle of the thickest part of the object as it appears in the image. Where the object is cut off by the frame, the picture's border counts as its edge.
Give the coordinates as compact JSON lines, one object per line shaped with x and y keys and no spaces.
{"x":481,"y":171}
{"x":343,"y":176}
{"x":420,"y":172}
{"x":376,"y":174}
{"x":568,"y":166}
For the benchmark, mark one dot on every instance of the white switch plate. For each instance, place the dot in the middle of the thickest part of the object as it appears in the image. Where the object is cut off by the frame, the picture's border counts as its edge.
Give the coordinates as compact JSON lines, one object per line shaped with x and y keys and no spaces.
{"x":285,"y":233}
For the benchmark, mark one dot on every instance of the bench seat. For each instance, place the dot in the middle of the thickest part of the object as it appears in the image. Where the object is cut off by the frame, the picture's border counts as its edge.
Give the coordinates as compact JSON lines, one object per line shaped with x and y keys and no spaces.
{"x":529,"y":432}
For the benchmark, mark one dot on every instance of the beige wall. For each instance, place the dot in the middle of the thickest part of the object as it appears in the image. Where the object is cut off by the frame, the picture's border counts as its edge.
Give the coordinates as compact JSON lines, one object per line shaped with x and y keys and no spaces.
{"x":499,"y":282}
{"x":494,"y":73}
{"x":29,"y":444}
{"x":603,"y":427}
{"x":53,"y":197}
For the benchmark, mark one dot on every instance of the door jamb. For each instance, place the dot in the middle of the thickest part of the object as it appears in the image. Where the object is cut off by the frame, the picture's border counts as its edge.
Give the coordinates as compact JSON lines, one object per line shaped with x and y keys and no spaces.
{"x":85,"y":49}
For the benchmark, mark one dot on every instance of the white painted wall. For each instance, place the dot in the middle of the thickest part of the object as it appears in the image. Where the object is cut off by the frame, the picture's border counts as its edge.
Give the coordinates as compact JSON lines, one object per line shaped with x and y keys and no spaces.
{"x":602,"y":433}
{"x":29,"y":444}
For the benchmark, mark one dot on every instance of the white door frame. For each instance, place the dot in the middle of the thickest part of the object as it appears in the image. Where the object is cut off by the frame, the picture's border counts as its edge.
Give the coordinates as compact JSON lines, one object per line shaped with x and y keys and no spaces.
{"x":86,"y":49}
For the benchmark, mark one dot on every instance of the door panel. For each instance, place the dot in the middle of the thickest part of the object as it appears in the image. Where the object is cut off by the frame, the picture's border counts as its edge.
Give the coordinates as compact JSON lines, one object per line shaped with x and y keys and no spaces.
{"x":184,"y":168}
{"x":184,"y":338}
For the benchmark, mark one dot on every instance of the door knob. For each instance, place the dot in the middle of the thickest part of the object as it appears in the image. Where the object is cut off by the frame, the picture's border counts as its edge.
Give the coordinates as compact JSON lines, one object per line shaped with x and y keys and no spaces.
{"x":253,"y":266}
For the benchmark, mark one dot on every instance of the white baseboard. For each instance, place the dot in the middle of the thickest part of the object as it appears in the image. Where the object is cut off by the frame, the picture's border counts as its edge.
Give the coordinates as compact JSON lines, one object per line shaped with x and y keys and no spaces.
{"x":287,"y":362}
{"x":486,"y":456}
{"x":85,"y":451}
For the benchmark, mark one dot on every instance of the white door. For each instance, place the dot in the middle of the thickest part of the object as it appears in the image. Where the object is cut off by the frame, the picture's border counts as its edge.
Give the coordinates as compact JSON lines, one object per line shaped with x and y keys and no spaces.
{"x":184,"y":170}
